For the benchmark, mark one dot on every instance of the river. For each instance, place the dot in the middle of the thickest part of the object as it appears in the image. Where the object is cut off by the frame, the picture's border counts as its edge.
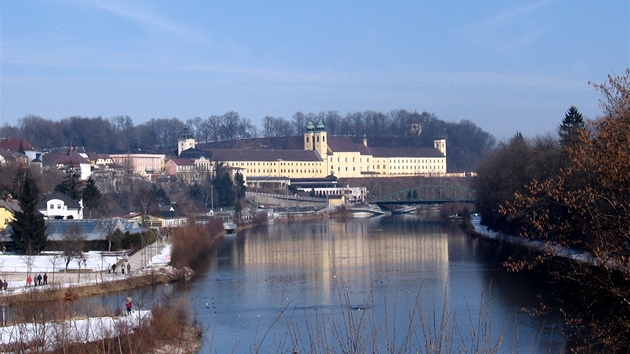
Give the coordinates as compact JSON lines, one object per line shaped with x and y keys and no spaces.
{"x":384,"y":284}
{"x":366,"y":285}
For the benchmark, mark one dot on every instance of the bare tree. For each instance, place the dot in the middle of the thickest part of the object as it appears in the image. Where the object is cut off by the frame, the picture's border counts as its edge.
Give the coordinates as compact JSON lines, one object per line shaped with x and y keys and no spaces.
{"x":72,"y":244}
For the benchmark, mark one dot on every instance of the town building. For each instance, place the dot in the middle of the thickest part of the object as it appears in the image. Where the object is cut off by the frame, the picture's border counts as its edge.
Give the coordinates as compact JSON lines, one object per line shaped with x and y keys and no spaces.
{"x":323,"y":155}
{"x":60,"y":206}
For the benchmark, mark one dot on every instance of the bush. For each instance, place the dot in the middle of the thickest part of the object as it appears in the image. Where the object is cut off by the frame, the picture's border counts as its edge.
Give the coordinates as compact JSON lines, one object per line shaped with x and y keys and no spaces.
{"x":189,"y":243}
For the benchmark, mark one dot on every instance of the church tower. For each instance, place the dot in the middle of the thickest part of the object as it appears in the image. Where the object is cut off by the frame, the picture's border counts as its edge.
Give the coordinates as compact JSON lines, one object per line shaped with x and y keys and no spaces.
{"x":309,"y":136}
{"x":320,"y":139}
{"x":440,"y":144}
{"x":185,"y":142}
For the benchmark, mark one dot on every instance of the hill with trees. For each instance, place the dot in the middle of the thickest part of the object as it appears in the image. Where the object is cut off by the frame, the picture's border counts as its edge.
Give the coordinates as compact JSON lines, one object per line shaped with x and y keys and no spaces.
{"x":467,"y":143}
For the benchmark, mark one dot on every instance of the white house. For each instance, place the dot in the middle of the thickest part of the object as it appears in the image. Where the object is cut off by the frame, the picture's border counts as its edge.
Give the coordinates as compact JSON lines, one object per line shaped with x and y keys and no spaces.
{"x":60,"y":206}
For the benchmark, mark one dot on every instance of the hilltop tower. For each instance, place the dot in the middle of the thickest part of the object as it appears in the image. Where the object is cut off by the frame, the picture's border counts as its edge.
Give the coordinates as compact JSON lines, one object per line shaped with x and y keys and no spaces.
{"x":186,"y":141}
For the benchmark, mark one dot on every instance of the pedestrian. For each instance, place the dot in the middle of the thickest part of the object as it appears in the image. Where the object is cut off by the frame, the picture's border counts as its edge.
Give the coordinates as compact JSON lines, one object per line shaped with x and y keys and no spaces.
{"x":45,"y":278}
{"x":109,"y":268}
{"x":128,"y":305}
{"x":5,"y":285}
{"x":1,"y":284}
{"x":39,"y":279}
{"x":114,"y":268}
{"x":29,"y":280}
{"x":129,"y":268}
{"x":122,"y":269}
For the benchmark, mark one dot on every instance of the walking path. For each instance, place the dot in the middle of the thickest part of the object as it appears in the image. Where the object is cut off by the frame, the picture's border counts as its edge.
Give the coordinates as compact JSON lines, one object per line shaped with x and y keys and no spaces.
{"x":95,"y":267}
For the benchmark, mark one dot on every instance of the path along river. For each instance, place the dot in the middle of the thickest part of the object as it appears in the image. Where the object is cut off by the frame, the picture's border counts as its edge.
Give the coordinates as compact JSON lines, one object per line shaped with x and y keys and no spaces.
{"x":365,"y":285}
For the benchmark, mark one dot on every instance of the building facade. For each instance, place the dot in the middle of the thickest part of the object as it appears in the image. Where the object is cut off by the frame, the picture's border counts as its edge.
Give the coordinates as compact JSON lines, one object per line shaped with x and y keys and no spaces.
{"x":324,"y":156}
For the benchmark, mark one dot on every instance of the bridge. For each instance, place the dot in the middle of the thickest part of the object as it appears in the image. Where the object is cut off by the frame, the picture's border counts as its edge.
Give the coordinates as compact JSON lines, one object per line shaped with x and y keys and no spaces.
{"x":429,"y":195}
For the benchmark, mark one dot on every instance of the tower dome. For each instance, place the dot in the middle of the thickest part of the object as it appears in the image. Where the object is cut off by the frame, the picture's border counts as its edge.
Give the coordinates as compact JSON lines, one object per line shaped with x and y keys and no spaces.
{"x":309,"y":126}
{"x":320,"y":126}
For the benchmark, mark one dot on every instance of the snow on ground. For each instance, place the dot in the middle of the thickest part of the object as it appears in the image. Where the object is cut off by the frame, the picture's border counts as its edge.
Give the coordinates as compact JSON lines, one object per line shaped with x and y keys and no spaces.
{"x":15,"y":268}
{"x":77,"y":330}
{"x":163,"y":257}
{"x":94,"y":261}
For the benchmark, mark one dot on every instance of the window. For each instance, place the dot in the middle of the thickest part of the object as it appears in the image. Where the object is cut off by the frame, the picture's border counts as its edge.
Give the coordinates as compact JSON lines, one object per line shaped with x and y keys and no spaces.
{"x":58,"y":206}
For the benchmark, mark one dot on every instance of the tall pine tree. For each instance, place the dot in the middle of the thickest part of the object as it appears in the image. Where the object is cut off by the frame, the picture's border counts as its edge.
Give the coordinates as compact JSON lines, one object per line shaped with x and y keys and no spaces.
{"x":571,"y":124}
{"x":91,"y":195}
{"x":71,"y":184}
{"x":28,"y":227}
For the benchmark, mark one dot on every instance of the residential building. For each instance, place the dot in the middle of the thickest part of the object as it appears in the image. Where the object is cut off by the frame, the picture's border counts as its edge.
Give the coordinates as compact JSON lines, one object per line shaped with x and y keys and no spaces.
{"x":60,"y":206}
{"x":142,"y":164}
{"x":7,"y":208}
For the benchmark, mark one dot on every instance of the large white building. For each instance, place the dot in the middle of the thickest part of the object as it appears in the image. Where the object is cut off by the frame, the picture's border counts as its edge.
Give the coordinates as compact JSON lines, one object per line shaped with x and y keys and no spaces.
{"x":323,"y":156}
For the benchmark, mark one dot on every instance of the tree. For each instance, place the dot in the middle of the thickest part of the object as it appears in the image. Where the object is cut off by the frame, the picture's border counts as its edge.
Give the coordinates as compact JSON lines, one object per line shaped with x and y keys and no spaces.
{"x":91,"y":195}
{"x":239,"y":186}
{"x":570,"y":126}
{"x":223,"y":186}
{"x":28,"y":230}
{"x":596,"y":221}
{"x":72,"y":244}
{"x":71,"y":184}
{"x":146,"y":201}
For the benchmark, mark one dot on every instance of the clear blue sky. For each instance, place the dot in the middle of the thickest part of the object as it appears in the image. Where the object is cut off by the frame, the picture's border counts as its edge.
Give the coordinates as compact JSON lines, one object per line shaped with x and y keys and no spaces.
{"x":505,"y":65}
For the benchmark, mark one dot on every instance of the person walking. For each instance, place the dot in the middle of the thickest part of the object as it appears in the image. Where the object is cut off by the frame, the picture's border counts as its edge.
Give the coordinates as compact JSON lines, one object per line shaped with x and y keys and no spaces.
{"x":45,"y":278}
{"x":39,"y":280}
{"x":128,"y":305}
{"x":29,"y":280}
{"x":128,"y":268}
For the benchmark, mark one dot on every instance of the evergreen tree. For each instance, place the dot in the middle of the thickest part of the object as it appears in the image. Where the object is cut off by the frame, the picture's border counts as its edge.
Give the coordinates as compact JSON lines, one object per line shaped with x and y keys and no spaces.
{"x":571,"y":124}
{"x":71,"y":184}
{"x":91,"y":195}
{"x":28,"y":227}
{"x":223,"y":186}
{"x":239,"y":185}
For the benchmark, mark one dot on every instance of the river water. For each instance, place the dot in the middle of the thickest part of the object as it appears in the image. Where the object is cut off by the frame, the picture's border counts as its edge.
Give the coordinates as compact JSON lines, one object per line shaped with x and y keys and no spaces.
{"x":366,"y":285}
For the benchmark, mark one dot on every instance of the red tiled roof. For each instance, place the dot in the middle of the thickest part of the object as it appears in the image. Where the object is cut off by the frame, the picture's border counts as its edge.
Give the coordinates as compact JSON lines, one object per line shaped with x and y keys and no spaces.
{"x":14,"y":144}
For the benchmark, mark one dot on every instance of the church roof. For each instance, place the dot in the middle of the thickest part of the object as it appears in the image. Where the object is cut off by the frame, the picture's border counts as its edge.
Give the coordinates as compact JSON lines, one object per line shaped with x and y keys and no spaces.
{"x":345,"y":144}
{"x":264,"y":155}
{"x":405,"y":152}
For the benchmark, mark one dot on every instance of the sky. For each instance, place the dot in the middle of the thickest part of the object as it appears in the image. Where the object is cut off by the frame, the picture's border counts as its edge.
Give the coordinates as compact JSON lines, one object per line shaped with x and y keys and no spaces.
{"x":507,"y":66}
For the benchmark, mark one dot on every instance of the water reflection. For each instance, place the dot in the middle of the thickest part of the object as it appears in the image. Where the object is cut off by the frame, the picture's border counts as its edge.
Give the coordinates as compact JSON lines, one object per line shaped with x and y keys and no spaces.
{"x":276,"y":286}
{"x":383,"y":266}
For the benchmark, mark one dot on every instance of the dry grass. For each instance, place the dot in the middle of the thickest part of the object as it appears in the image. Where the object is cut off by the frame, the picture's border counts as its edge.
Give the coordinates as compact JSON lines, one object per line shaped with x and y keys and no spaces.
{"x":172,"y":326}
{"x":363,"y":330}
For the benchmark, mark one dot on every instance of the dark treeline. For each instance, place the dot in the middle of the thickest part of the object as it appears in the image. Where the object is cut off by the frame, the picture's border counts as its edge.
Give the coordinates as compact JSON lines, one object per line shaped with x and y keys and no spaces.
{"x":570,"y":193}
{"x":467,"y":142}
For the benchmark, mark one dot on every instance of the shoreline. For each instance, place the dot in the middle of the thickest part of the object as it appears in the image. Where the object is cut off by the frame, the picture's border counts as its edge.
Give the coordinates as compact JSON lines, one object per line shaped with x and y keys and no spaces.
{"x":145,"y":277}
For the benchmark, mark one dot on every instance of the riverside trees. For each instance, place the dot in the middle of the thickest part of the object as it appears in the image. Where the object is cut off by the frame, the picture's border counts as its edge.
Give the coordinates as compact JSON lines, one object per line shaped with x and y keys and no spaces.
{"x":582,"y":206}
